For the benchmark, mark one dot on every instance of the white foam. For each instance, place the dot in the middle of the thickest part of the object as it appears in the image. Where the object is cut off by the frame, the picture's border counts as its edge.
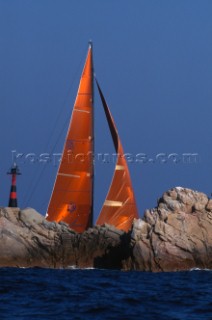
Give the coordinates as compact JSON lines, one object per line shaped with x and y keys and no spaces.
{"x":78,"y":268}
{"x":199,"y":269}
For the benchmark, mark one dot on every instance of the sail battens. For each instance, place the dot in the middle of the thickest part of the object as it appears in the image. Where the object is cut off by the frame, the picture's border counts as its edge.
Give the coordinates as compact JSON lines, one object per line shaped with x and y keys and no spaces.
{"x":87,"y":139}
{"x":81,"y":110}
{"x":119,"y":167}
{"x":72,"y":197}
{"x":119,"y":208}
{"x":68,"y":175}
{"x":111,"y":203}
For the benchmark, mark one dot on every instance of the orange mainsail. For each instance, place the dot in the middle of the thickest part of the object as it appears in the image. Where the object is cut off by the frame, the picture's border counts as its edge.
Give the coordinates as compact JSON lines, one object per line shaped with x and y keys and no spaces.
{"x":119,"y":208}
{"x":72,"y":197}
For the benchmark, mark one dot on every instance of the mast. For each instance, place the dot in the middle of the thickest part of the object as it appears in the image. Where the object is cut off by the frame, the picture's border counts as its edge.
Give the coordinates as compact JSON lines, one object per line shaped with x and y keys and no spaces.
{"x":72,"y":197}
{"x":14,"y":171}
{"x":119,"y":208}
{"x":90,"y":43}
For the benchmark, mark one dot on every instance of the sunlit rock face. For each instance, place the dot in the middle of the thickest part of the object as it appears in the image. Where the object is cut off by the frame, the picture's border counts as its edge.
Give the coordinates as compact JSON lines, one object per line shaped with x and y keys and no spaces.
{"x":175,"y":235}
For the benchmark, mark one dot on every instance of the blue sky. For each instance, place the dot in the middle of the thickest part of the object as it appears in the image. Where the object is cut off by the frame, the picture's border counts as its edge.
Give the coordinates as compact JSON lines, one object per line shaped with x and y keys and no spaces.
{"x":153,"y":60}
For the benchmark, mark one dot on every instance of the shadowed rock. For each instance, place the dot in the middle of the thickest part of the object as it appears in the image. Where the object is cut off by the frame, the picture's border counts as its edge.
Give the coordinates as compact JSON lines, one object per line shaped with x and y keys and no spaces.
{"x":28,"y":240}
{"x":176,"y":235}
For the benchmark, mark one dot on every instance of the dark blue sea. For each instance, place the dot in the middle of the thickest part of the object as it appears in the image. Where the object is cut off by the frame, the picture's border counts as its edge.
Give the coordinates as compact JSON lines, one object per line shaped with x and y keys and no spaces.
{"x":104,"y":294}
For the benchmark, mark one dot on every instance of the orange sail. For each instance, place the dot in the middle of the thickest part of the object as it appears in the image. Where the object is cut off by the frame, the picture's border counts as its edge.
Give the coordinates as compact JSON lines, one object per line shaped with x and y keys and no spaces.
{"x":72,"y":197}
{"x":119,"y":208}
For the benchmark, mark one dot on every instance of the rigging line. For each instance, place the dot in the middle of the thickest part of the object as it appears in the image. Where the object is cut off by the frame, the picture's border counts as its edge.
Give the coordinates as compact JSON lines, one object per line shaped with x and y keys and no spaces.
{"x":27,"y":199}
{"x":43,"y":168}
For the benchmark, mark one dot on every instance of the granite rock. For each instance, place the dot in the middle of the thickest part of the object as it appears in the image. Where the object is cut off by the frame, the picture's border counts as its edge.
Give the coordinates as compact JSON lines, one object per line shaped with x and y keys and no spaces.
{"x":175,"y":235}
{"x":179,"y":236}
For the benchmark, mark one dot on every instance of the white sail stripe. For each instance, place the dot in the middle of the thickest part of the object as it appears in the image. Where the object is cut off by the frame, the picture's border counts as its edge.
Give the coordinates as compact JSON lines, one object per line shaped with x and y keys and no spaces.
{"x":68,"y":175}
{"x":111,"y":203}
{"x":119,"y":167}
{"x":80,"y":110}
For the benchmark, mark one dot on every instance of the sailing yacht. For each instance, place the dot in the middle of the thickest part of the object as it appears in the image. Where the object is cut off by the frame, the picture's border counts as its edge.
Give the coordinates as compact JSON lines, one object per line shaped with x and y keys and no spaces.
{"x":72,"y":196}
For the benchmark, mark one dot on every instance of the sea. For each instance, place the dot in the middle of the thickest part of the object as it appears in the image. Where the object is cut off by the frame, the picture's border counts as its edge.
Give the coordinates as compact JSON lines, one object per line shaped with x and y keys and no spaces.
{"x":104,"y":294}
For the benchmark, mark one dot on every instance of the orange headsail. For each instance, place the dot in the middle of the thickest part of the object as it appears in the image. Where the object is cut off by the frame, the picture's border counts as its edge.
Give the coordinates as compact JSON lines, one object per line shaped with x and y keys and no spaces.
{"x":119,"y":208}
{"x":72,"y":197}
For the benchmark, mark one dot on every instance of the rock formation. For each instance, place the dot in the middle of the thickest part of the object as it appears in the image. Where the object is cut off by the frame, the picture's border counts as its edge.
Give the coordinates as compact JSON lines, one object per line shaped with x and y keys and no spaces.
{"x":27,"y":239}
{"x":176,"y":235}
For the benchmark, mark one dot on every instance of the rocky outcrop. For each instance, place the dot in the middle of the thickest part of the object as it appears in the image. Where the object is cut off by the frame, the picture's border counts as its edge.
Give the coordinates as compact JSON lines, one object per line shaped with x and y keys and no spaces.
{"x":28,"y":240}
{"x":176,"y":235}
